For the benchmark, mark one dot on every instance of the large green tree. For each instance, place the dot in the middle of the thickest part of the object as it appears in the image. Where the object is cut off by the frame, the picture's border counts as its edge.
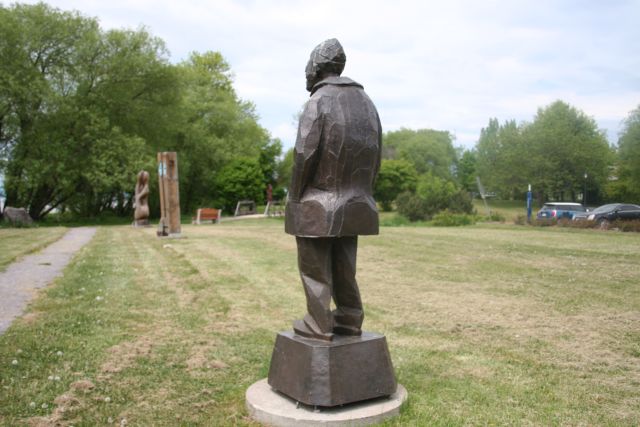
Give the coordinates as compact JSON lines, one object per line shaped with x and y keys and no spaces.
{"x":552,"y":154}
{"x":82,"y":110}
{"x":216,"y":127}
{"x":500,"y":160}
{"x":560,"y":146}
{"x":76,"y":105}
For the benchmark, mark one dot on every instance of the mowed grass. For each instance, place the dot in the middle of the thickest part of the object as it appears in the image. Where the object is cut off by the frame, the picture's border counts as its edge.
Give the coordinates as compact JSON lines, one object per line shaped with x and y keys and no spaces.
{"x":17,"y":242}
{"x":487,"y":325}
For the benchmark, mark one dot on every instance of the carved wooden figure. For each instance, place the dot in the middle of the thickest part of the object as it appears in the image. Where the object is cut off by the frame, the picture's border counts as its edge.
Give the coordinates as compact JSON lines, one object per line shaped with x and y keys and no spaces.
{"x":141,"y":213}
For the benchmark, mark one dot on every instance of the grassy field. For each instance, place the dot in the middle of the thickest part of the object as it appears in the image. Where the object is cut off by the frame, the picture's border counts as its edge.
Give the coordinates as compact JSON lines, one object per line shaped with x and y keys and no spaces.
{"x":17,"y":242}
{"x":487,"y":325}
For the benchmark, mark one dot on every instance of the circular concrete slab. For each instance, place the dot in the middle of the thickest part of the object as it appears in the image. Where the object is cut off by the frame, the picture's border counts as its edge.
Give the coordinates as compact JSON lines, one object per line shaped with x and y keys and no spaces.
{"x":274,"y":409}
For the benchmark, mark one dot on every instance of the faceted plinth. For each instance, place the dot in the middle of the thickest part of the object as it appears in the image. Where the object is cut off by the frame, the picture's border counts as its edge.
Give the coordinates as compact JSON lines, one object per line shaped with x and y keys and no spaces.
{"x":272,"y":408}
{"x":330,"y":373}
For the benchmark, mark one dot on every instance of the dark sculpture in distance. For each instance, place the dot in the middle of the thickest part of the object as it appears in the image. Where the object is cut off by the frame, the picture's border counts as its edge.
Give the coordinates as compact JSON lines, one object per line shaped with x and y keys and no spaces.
{"x":141,"y":213}
{"x":337,"y":157}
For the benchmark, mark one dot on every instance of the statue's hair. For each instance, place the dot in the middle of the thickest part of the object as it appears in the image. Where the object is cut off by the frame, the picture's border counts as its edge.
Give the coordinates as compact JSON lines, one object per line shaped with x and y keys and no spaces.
{"x":329,"y":56}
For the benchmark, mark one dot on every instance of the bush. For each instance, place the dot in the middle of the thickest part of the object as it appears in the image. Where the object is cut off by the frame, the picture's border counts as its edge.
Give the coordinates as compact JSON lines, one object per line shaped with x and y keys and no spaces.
{"x":412,"y":207}
{"x":460,"y":202}
{"x":521,"y":219}
{"x":450,"y":219}
{"x":240,"y":179}
{"x":433,"y":195}
{"x":394,"y":177}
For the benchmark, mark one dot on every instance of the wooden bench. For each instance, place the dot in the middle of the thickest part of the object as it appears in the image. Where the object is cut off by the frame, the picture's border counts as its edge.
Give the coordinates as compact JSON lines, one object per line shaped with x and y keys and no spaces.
{"x":206,"y":214}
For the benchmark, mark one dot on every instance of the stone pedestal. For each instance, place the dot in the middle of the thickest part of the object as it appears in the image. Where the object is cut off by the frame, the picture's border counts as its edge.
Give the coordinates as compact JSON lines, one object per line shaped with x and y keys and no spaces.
{"x":331,"y":373}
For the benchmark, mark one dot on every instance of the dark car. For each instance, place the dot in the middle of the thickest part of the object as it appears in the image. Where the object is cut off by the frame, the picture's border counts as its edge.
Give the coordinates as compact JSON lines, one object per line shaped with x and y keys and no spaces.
{"x":606,"y":214}
{"x":557,"y":210}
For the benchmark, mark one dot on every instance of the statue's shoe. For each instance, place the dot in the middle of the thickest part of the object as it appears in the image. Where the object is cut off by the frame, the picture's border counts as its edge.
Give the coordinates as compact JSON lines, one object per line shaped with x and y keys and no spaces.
{"x":303,"y":329}
{"x":339,"y":329}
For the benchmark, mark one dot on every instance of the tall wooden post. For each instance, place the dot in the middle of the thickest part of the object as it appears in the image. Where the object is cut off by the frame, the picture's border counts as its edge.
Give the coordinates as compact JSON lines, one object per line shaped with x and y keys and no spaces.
{"x":169,"y":195}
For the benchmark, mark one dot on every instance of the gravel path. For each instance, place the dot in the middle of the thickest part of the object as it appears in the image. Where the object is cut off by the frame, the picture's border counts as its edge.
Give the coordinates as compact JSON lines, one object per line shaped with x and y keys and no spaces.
{"x":20,"y":280}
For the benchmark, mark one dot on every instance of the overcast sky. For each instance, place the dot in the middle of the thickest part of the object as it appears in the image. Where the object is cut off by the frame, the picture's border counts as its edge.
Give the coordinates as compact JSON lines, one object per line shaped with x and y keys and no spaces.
{"x":447,"y":65}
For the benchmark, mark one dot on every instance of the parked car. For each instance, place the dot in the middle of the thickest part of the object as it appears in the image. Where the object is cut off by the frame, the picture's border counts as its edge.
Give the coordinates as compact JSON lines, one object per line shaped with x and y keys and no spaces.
{"x":557,"y":210}
{"x":605,"y":214}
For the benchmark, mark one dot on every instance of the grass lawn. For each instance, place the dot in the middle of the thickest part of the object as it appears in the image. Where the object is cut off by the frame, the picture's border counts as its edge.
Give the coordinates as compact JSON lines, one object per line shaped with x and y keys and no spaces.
{"x":487,"y":325}
{"x":17,"y":242}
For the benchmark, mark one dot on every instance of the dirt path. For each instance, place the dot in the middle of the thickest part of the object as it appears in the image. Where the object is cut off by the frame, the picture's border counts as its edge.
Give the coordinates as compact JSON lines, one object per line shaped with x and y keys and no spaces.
{"x":20,"y":280}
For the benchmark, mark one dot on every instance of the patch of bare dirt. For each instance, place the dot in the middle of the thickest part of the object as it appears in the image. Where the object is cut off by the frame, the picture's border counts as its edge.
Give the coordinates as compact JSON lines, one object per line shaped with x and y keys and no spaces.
{"x":61,"y":416}
{"x":83,"y":386}
{"x":199,"y":359}
{"x":123,"y":355}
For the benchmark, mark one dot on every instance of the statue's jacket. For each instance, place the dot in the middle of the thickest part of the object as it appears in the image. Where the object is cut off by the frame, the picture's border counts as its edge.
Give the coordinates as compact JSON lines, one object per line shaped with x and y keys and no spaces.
{"x":336,"y":160}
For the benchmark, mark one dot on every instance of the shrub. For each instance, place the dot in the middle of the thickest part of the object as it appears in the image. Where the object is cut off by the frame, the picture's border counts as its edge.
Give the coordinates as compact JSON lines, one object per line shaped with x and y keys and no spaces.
{"x":451,"y":219}
{"x":395,"y":177}
{"x":240,"y":179}
{"x":412,"y":206}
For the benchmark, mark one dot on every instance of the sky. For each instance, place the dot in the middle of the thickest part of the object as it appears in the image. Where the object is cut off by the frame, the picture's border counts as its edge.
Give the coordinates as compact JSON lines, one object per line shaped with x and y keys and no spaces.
{"x":445,"y":65}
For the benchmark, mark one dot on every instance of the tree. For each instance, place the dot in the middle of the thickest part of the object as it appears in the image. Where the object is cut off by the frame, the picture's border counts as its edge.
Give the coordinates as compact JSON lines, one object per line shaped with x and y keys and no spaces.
{"x":394,"y":177}
{"x":552,"y":154}
{"x":240,"y":179}
{"x":466,"y":171}
{"x":561,"y":145}
{"x":626,"y":188}
{"x":500,"y":158}
{"x":71,"y":94}
{"x":216,"y":128}
{"x":427,"y":149}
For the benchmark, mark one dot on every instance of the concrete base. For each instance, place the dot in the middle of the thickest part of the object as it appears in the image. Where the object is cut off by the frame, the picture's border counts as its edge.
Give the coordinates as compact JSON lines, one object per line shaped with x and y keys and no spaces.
{"x":272,"y":408}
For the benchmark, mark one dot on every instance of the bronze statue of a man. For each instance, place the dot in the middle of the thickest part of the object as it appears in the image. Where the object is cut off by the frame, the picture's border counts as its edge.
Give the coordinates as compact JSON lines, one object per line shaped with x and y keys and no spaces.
{"x":337,"y":157}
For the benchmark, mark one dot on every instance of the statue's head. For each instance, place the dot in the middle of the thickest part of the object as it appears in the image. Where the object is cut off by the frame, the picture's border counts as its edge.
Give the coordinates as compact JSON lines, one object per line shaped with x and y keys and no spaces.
{"x":143,"y":177}
{"x":328,"y":58}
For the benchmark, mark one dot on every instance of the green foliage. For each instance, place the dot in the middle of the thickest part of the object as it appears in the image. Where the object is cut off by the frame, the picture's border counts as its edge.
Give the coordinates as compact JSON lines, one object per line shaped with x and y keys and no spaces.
{"x":412,"y":207}
{"x":466,"y":171}
{"x":82,"y":110}
{"x":394,"y":177}
{"x":215,"y":128}
{"x":240,"y":179}
{"x":627,"y":187}
{"x":450,"y":219}
{"x":552,"y":153}
{"x":428,"y":150}
{"x":74,"y":97}
{"x":562,"y":144}
{"x":433,"y":195}
{"x":501,"y":159}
